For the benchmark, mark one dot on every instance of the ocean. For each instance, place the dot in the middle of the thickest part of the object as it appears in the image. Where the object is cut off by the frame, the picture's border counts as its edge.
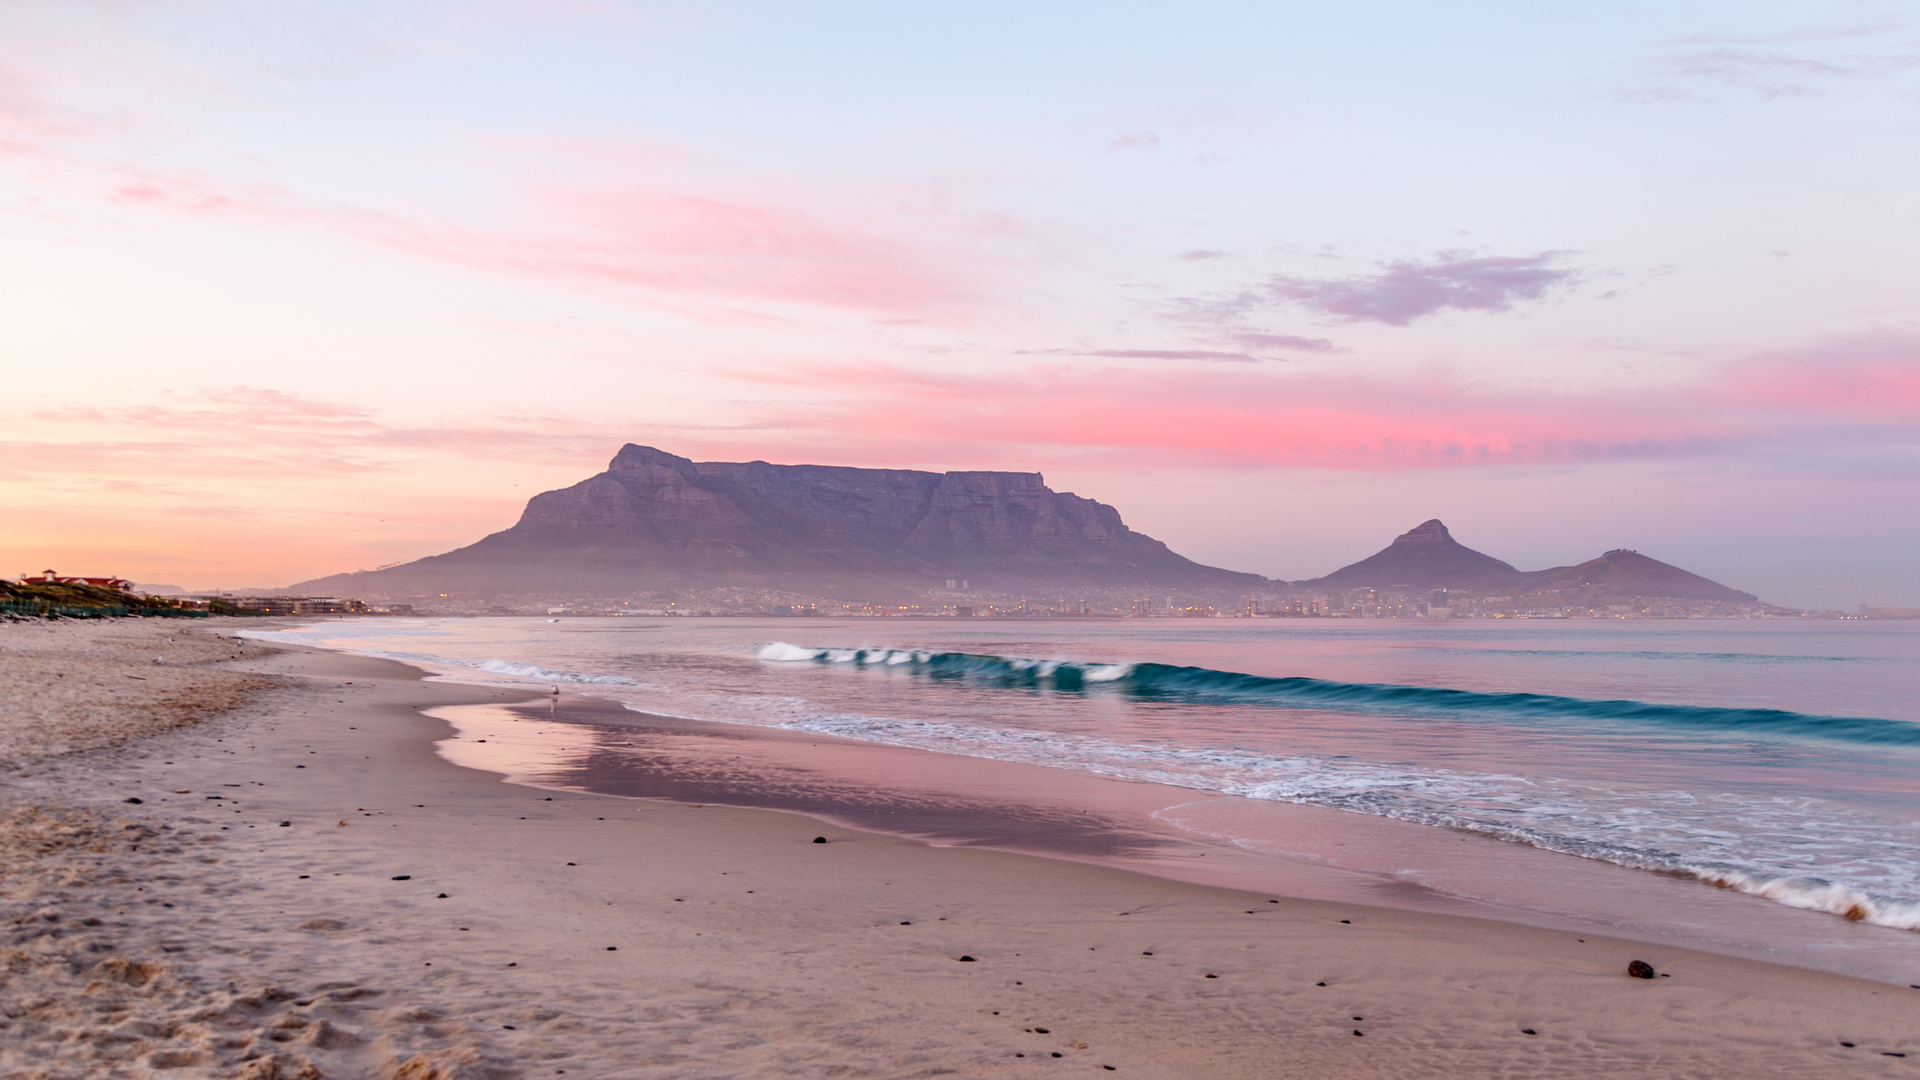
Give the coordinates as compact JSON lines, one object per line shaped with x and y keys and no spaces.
{"x":1744,"y":786}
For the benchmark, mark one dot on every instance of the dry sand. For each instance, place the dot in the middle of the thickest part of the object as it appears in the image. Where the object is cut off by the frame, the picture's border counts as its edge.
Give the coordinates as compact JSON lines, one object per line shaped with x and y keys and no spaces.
{"x":194,"y":934}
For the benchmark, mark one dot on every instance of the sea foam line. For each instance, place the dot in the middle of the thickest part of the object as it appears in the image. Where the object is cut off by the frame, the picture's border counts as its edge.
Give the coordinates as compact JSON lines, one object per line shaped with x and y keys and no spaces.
{"x":1514,"y":808}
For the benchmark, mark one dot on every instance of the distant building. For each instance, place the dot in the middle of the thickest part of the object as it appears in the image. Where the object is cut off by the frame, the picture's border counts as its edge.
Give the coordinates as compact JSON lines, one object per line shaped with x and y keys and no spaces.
{"x":48,"y":577}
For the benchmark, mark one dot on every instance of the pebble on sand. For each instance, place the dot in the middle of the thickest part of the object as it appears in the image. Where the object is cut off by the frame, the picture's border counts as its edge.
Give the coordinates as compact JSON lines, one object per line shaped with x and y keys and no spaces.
{"x":819,"y":839}
{"x":967,"y":960}
{"x":403,"y":877}
{"x":1640,"y":969}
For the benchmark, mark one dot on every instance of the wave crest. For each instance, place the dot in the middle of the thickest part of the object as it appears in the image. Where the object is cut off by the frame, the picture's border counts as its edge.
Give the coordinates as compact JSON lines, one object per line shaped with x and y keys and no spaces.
{"x":1198,"y":685}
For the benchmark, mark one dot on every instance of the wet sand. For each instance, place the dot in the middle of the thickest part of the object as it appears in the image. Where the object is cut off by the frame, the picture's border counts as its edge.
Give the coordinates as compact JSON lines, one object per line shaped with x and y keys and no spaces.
{"x":194,"y":934}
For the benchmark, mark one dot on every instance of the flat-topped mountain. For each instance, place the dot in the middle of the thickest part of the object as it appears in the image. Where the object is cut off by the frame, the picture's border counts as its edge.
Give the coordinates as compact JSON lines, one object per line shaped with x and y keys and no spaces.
{"x":655,"y":520}
{"x":1428,"y":557}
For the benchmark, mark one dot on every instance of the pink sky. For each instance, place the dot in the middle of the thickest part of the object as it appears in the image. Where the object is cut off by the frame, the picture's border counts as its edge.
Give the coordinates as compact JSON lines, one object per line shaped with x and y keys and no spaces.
{"x":344,"y":289}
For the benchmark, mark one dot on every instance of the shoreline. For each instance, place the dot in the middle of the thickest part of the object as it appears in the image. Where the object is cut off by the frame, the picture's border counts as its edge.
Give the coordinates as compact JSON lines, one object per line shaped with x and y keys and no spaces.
{"x":583,"y":743}
{"x":649,"y":938}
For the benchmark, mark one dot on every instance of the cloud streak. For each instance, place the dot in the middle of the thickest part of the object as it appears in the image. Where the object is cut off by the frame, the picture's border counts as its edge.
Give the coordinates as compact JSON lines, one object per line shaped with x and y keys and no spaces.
{"x":1864,"y":392}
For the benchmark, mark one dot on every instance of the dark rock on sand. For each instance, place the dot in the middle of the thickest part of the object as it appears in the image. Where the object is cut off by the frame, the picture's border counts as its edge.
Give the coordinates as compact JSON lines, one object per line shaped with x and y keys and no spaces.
{"x":1640,"y":969}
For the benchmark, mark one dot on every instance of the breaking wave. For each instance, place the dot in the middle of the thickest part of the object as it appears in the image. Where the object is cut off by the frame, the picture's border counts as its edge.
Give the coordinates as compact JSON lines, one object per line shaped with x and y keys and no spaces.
{"x":1667,"y":832}
{"x":1203,"y":686}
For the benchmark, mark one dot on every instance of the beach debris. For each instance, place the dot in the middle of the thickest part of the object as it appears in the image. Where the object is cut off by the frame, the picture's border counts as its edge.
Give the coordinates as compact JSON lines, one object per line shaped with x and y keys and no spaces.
{"x":903,"y":922}
{"x":1640,"y":969}
{"x":1041,"y":1031}
{"x":1146,"y":954}
{"x":1211,"y":975}
{"x":1319,"y":984}
{"x":1357,"y":1031}
{"x":1848,"y":1045}
{"x":286,"y":824}
{"x":819,"y":839}
{"x":134,"y":799}
{"x":1528,"y":1031}
{"x":967,"y":960}
{"x":612,"y":948}
{"x":442,"y":896}
{"x":1347,"y":921}
{"x":403,"y":877}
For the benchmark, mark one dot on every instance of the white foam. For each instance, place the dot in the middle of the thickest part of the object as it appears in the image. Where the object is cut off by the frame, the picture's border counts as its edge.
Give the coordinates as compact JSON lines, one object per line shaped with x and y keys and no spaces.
{"x":781,"y":652}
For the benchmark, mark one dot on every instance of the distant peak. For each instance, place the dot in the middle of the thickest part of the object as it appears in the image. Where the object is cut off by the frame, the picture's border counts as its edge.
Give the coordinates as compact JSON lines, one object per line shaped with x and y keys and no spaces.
{"x":634,"y":456}
{"x":1430,"y":531}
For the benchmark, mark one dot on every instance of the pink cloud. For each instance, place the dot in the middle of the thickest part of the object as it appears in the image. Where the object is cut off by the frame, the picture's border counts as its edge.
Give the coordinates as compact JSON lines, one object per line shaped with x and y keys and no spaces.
{"x":247,"y":432}
{"x":1862,"y":393}
{"x":1246,"y":418}
{"x":681,"y":243}
{"x":640,"y":239}
{"x":1871,"y":377}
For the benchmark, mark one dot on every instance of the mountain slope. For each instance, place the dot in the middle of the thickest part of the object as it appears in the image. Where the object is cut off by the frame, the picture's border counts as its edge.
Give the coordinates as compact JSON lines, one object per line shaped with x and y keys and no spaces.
{"x":656,"y":520}
{"x":1622,"y":573}
{"x":1424,"y":557}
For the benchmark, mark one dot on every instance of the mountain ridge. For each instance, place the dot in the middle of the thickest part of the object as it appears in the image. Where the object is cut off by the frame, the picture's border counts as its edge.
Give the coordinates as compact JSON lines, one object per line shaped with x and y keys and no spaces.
{"x":1428,"y":557}
{"x":655,"y":519}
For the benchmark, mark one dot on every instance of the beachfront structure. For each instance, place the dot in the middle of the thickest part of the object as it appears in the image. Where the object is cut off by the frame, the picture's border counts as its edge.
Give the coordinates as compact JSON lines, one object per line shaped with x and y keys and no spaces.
{"x":48,"y":577}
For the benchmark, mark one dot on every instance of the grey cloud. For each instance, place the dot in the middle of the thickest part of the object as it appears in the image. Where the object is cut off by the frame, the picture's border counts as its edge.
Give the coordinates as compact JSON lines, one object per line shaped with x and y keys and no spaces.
{"x":1407,"y":290}
{"x":1286,"y":341}
{"x":1150,"y":354}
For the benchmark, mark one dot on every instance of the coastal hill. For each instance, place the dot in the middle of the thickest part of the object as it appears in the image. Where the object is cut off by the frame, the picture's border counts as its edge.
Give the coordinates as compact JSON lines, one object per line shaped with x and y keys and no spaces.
{"x":1424,"y":557}
{"x":1623,"y":573}
{"x":655,"y":520}
{"x":1428,"y":557}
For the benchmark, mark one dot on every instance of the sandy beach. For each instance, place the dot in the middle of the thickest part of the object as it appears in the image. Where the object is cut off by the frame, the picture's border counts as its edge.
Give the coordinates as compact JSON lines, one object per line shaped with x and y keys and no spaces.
{"x":304,"y":888}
